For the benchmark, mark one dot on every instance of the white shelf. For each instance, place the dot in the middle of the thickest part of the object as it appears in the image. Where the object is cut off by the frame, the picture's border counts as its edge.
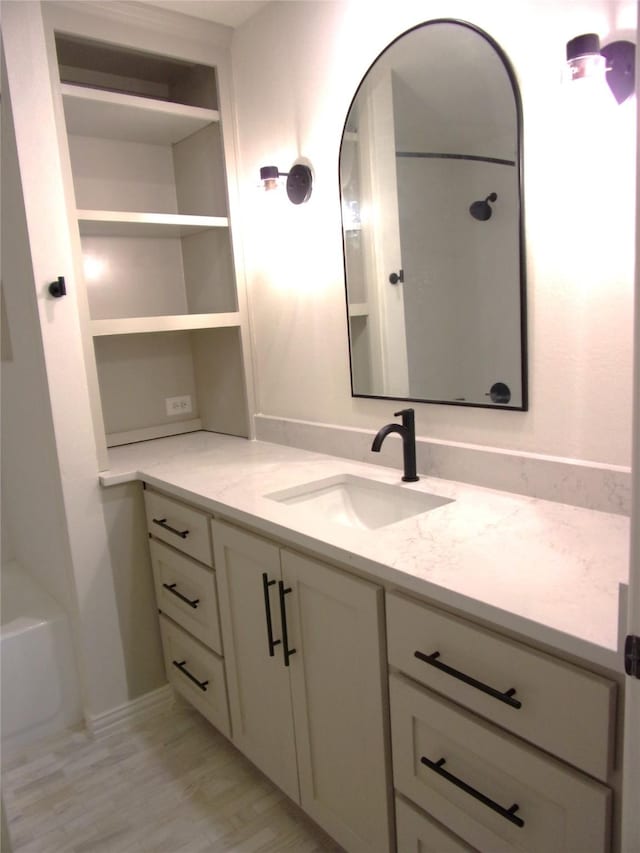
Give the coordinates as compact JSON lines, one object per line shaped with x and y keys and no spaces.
{"x":359,"y":309}
{"x":114,"y":115}
{"x":114,"y":223}
{"x":115,"y":439}
{"x":171,"y":323}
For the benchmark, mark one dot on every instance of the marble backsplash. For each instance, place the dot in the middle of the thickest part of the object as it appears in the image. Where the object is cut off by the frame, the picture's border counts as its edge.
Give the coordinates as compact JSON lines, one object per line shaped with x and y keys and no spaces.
{"x":586,"y":484}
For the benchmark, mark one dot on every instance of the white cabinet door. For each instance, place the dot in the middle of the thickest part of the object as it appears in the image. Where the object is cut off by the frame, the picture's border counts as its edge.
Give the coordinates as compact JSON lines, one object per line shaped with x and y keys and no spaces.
{"x":186,"y":592}
{"x":258,"y":682}
{"x":306,"y":676}
{"x":418,"y":833}
{"x":337,"y":676}
{"x":539,"y":686}
{"x":493,"y":790}
{"x":195,"y":672}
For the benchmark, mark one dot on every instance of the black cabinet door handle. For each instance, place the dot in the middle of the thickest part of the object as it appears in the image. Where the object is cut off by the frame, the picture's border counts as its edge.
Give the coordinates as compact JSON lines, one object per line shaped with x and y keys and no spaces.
{"x":282,"y":591}
{"x":506,"y":697}
{"x":266,"y":583}
{"x":183,"y":669}
{"x":171,"y":587}
{"x":162,"y":522}
{"x":509,"y":814}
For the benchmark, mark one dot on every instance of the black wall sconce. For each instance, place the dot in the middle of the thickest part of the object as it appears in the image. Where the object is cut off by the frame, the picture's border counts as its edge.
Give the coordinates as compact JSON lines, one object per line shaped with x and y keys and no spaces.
{"x":299,"y":181}
{"x":616,"y":60}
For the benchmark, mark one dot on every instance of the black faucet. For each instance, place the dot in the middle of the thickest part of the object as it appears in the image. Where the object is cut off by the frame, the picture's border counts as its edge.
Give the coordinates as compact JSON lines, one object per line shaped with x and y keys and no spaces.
{"x":408,"y":433}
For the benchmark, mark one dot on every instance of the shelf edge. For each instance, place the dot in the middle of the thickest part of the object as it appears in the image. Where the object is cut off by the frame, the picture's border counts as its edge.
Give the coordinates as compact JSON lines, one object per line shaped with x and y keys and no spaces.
{"x":166,"y":323}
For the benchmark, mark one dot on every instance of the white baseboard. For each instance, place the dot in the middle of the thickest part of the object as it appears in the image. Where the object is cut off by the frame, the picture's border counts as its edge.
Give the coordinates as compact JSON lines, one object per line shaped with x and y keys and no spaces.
{"x":132,"y":712}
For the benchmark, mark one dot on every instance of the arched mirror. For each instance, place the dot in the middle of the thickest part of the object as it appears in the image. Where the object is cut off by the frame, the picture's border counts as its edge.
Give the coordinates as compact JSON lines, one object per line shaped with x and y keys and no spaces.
{"x":431,"y":189}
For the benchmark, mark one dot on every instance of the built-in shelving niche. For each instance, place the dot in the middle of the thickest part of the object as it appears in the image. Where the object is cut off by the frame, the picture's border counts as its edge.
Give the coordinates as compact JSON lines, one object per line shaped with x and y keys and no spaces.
{"x":137,"y":372}
{"x":149,"y":180}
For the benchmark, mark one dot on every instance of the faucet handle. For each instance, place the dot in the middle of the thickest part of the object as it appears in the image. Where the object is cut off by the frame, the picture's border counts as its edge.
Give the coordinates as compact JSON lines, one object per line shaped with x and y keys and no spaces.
{"x":404,"y":412}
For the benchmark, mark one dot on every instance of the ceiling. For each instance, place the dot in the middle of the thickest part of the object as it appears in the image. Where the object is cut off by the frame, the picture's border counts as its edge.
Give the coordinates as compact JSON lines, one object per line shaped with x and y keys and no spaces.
{"x":231,"y":13}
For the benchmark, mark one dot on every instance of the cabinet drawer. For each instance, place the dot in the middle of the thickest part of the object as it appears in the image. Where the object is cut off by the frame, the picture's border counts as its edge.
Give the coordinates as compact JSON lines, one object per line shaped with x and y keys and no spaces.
{"x":564,"y":709}
{"x":200,"y":676}
{"x":418,"y":833}
{"x":182,"y":526}
{"x":186,"y":592}
{"x":494,"y":791}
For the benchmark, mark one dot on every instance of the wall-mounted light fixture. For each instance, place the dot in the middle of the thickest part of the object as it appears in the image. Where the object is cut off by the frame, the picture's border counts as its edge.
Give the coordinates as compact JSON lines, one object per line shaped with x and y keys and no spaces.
{"x":615,"y":63}
{"x":299,"y":181}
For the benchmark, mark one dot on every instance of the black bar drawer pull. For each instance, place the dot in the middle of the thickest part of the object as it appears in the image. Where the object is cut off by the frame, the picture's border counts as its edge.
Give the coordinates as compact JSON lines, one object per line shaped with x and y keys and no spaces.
{"x":509,"y":814}
{"x":162,"y":522}
{"x":266,"y":583}
{"x":172,"y":589}
{"x":183,"y":669}
{"x":506,"y":697}
{"x":282,"y":591}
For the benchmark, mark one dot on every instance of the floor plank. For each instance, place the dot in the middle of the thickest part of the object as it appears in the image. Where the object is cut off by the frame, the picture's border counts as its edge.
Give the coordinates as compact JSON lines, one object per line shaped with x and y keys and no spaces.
{"x":170,"y":784}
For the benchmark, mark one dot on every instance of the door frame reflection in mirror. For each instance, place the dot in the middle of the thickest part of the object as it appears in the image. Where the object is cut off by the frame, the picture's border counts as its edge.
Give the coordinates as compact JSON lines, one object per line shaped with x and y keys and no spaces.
{"x":516,"y":399}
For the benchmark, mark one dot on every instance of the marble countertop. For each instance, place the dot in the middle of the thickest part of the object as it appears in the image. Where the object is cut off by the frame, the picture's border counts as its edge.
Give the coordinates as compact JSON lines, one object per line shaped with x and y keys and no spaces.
{"x":547,"y":571}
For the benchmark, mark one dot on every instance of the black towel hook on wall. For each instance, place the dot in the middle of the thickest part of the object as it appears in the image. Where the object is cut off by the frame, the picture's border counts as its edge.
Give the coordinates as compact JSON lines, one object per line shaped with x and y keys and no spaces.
{"x":58,"y":288}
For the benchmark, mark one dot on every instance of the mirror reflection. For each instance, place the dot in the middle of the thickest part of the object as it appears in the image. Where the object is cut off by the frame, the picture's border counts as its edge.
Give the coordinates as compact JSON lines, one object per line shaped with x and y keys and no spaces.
{"x":430,"y":178}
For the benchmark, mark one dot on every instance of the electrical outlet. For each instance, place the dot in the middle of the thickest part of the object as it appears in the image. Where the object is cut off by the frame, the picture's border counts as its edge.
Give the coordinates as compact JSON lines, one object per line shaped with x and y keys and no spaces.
{"x":178,"y":405}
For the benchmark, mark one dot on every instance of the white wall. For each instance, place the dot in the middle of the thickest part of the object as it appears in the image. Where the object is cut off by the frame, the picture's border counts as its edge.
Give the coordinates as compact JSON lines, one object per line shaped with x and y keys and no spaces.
{"x":57,"y":523}
{"x":33,"y":521}
{"x":296,"y":68}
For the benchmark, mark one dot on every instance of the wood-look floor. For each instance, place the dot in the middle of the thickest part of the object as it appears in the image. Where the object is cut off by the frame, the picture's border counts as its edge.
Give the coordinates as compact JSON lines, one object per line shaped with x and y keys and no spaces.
{"x":170,"y":784}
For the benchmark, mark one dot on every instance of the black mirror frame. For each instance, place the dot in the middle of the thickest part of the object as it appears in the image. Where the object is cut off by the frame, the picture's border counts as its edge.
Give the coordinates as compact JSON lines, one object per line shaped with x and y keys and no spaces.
{"x":521,"y":223}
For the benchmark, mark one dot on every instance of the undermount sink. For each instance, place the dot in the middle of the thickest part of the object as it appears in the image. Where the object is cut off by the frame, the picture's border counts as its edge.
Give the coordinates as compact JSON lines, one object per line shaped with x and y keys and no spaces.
{"x":359,"y":502}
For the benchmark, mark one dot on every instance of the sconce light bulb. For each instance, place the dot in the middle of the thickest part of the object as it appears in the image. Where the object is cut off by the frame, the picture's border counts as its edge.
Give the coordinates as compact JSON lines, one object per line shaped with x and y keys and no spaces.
{"x":584,"y":58}
{"x":269,"y":176}
{"x":299,"y":181}
{"x":589,"y":67}
{"x":615,"y":63}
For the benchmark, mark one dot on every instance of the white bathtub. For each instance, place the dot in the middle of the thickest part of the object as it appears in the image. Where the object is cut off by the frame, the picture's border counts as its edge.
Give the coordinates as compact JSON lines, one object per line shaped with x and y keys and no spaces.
{"x":40,"y":695}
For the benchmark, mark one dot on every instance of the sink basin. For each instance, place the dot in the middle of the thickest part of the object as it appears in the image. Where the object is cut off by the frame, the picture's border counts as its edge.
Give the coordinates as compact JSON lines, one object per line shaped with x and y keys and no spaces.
{"x":358,"y":502}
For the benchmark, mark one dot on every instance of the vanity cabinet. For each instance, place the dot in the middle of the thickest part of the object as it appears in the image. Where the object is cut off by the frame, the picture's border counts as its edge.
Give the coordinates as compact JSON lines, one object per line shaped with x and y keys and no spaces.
{"x":304,"y":653}
{"x":479,"y":723}
{"x":496,"y":746}
{"x":187,"y":599}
